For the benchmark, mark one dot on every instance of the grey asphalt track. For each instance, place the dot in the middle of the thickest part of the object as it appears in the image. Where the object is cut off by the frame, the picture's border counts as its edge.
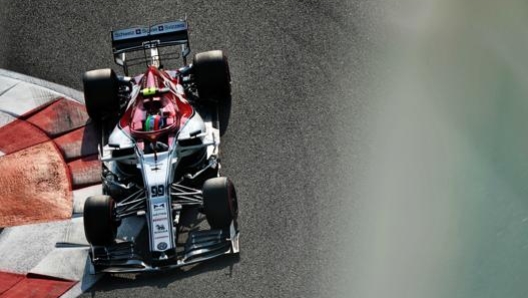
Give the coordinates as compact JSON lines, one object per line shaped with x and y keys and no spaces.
{"x":379,"y":147}
{"x":300,"y":74}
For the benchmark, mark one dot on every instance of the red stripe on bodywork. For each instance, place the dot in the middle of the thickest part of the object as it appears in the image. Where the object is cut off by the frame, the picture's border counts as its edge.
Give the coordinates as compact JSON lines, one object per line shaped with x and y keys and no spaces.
{"x":176,"y":109}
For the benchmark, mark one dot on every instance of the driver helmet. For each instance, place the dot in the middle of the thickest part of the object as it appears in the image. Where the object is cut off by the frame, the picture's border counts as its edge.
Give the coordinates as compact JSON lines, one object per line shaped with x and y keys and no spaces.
{"x":154,"y":122}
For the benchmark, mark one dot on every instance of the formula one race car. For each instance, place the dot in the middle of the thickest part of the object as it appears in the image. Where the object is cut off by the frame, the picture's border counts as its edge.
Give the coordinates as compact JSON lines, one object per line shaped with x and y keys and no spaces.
{"x":159,"y":144}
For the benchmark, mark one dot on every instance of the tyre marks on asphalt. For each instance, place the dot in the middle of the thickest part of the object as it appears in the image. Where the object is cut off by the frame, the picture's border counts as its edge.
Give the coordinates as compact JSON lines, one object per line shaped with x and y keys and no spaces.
{"x":58,"y":117}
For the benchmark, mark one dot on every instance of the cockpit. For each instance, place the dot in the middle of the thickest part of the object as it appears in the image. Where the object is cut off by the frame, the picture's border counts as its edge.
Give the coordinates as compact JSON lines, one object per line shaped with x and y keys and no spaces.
{"x":157,"y":113}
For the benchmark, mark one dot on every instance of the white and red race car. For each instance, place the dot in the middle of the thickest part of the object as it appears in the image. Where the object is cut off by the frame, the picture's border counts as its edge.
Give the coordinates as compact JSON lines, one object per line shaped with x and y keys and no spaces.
{"x":159,"y":146}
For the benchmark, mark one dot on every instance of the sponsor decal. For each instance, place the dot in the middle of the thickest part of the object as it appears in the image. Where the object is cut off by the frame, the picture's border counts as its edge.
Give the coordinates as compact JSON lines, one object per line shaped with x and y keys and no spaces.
{"x":162,"y":246}
{"x":173,"y":26}
{"x":122,"y":34}
{"x":160,"y":227}
{"x":159,"y":214}
{"x":157,"y":190}
{"x":159,"y":206}
{"x":170,"y":27}
{"x":160,"y":219}
{"x":157,"y":29}
{"x":129,"y":33}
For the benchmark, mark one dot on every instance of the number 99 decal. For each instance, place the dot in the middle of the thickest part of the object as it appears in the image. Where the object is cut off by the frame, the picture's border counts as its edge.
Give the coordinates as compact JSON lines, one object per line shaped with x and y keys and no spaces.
{"x":157,"y":191}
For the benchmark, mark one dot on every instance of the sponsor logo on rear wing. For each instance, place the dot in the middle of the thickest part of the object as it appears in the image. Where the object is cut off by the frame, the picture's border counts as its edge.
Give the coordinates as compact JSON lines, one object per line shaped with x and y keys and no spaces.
{"x":168,"y":27}
{"x":137,"y":32}
{"x":130,"y":33}
{"x":134,"y":38}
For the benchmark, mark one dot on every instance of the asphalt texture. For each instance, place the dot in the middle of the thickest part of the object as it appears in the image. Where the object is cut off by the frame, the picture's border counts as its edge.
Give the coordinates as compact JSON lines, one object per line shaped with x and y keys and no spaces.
{"x":300,"y":72}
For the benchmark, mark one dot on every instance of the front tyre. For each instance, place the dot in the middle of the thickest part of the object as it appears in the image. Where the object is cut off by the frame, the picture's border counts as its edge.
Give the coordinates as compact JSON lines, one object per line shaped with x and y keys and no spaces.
{"x":101,"y":87}
{"x":213,"y":82}
{"x":100,"y":226}
{"x":220,"y":202}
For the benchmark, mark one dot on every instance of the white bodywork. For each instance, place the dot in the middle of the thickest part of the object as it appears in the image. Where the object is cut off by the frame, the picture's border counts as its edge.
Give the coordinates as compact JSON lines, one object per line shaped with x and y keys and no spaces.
{"x":156,"y":177}
{"x":158,"y":172}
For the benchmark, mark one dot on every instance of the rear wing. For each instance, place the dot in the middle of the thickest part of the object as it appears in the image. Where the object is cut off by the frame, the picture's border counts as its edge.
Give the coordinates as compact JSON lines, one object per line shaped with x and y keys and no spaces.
{"x":143,"y":37}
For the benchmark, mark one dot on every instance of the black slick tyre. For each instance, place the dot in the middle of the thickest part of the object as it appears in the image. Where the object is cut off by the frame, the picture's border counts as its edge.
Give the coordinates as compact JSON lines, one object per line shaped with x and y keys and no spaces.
{"x":213,"y":82}
{"x":220,"y":202}
{"x":100,"y":227}
{"x":101,"y":88}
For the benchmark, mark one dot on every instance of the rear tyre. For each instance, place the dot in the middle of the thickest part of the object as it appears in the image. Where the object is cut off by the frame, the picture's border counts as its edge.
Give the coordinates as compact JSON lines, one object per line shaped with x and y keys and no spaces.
{"x":101,"y":88}
{"x":220,"y":202}
{"x":213,"y":82}
{"x":100,"y":227}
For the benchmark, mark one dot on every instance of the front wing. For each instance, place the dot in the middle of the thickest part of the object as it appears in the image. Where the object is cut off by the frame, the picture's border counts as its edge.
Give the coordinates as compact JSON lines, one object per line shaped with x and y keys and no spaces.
{"x":200,"y":246}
